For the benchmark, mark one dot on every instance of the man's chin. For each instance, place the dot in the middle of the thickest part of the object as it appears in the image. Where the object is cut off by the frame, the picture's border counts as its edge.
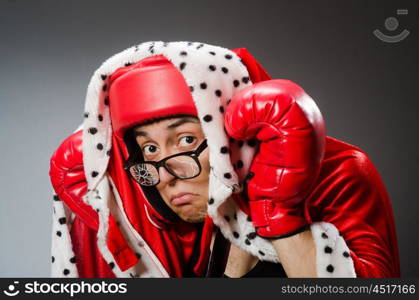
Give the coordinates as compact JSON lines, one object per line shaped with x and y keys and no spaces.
{"x":196,"y":217}
{"x":194,"y":220}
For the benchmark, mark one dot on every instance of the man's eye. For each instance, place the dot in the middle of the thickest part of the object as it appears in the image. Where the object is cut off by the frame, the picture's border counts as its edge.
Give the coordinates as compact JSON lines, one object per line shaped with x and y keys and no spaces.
{"x":187,"y":140}
{"x":149,"y":149}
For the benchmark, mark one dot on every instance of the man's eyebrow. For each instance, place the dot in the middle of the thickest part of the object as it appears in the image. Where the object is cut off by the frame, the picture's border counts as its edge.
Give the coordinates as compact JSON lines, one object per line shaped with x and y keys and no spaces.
{"x":181,"y":122}
{"x":140,"y":133}
{"x":171,"y":126}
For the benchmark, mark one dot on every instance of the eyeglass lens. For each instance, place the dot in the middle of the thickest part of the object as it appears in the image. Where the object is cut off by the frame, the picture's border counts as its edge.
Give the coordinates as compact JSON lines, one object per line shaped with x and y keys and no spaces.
{"x":182,"y":166}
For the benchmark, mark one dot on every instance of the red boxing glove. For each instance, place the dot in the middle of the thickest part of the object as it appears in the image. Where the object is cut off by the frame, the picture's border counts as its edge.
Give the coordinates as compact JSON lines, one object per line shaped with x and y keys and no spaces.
{"x":291,"y":132}
{"x":69,"y":182}
{"x":68,"y":179}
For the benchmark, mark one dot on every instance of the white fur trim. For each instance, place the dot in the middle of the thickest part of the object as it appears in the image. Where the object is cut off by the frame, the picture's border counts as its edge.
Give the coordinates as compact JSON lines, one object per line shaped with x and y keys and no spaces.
{"x":332,"y":253}
{"x":62,"y":255}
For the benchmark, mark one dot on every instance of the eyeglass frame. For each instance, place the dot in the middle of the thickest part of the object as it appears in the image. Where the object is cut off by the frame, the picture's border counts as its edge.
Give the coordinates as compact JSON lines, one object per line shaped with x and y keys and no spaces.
{"x":194,"y":154}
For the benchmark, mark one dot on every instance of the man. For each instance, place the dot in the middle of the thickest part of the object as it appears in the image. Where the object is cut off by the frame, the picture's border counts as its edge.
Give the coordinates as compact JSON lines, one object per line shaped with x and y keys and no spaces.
{"x":172,"y":133}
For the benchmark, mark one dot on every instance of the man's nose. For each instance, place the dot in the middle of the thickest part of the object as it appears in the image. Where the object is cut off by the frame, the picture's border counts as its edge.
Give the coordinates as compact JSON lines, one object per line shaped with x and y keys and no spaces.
{"x":165,"y":176}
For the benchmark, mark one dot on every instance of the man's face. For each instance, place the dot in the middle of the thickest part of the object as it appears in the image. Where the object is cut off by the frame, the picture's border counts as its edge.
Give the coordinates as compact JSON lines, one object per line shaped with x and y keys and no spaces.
{"x":167,"y":137}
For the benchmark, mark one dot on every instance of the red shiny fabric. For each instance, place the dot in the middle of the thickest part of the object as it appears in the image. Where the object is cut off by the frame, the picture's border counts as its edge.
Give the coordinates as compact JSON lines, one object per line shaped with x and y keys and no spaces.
{"x":89,"y":261}
{"x":350,"y":194}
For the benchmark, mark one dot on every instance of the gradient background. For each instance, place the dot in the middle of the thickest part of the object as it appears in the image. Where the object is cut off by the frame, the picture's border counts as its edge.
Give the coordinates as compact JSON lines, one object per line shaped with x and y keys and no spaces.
{"x":365,"y":88}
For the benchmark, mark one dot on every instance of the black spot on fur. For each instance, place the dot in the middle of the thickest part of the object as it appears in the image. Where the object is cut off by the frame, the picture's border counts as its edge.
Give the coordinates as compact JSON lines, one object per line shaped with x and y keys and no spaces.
{"x":251,"y":235}
{"x":330,"y":268}
{"x":92,"y":130}
{"x":328,"y":250}
{"x":208,"y":118}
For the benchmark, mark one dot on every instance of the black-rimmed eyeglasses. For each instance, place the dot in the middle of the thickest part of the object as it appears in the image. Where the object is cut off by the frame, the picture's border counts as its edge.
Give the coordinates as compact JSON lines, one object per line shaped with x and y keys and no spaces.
{"x":184,"y":165}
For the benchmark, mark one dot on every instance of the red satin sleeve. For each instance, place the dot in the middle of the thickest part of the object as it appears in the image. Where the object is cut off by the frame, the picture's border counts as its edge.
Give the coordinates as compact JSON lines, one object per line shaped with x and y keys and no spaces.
{"x":351,"y":195}
{"x":89,"y":261}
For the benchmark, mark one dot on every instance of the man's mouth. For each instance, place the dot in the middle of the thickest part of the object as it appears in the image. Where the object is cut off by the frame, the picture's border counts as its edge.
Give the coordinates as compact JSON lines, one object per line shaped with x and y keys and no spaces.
{"x":181,"y":198}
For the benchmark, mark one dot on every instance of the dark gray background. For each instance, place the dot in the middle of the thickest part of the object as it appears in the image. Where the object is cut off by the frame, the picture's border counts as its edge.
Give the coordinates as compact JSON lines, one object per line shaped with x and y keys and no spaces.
{"x":366,"y":89}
